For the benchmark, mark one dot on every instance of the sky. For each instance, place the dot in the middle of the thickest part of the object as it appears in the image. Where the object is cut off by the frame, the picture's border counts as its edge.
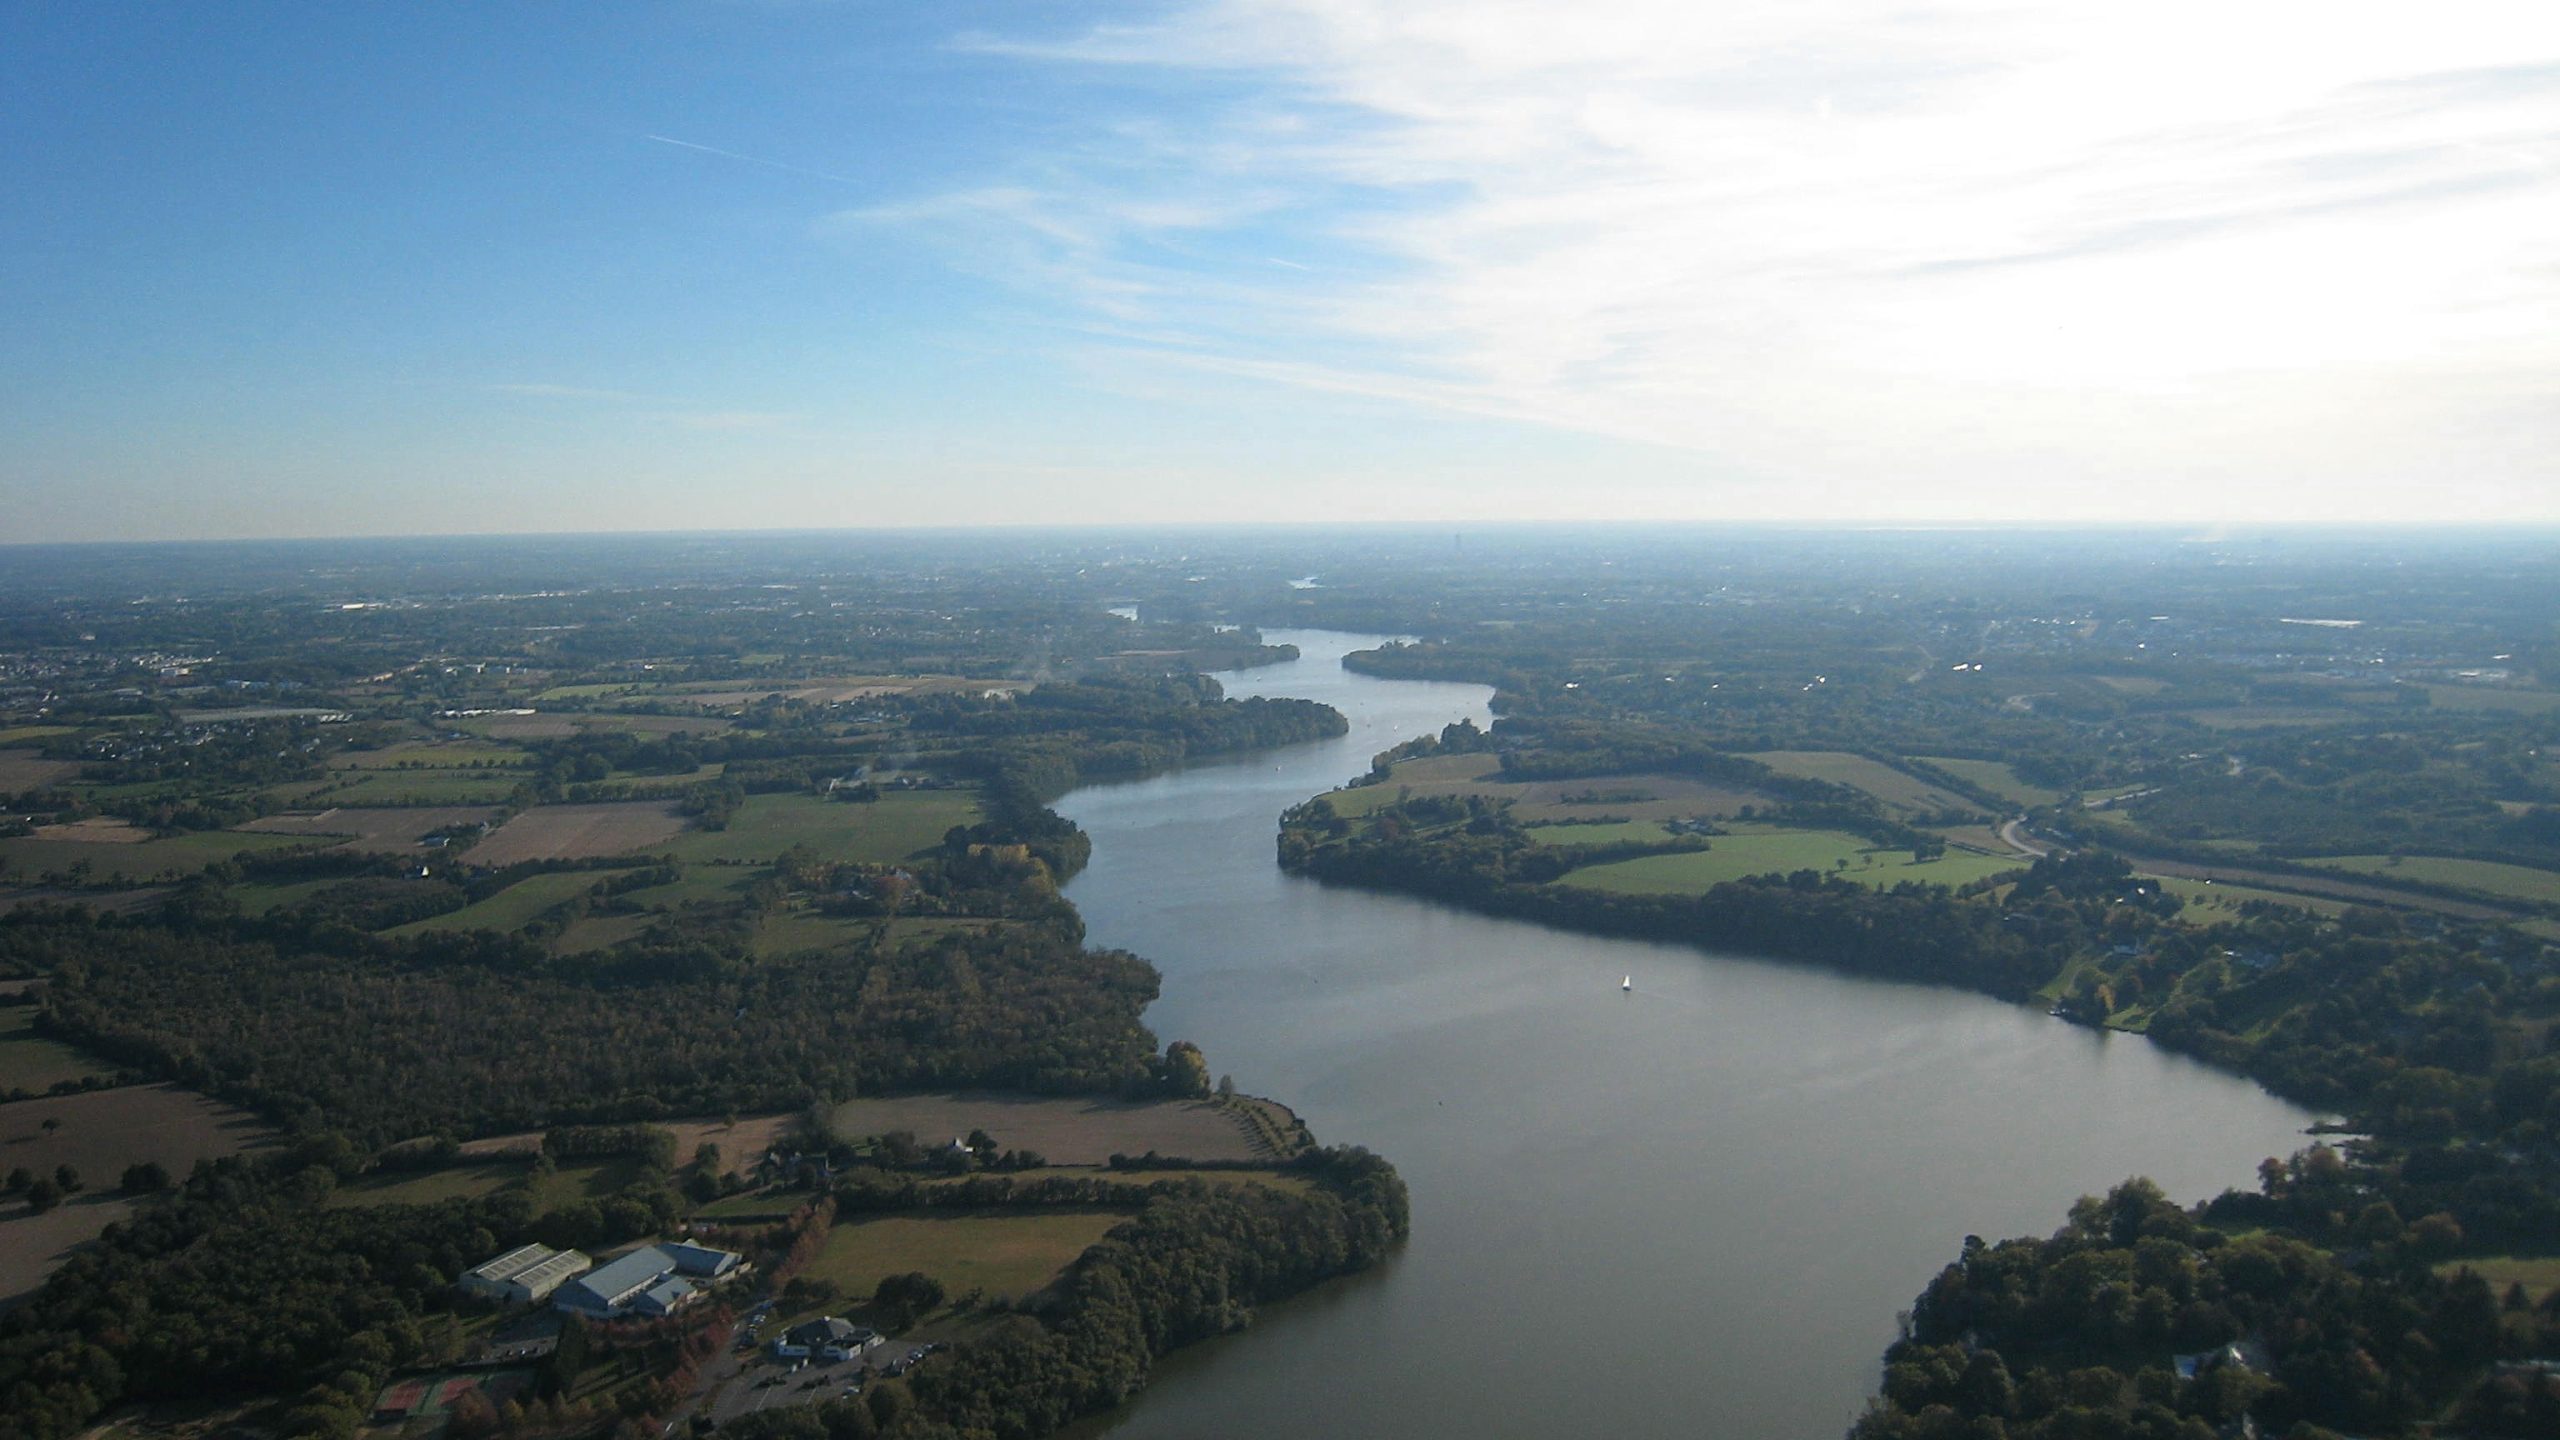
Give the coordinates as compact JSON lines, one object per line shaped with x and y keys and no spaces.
{"x":325,"y":269}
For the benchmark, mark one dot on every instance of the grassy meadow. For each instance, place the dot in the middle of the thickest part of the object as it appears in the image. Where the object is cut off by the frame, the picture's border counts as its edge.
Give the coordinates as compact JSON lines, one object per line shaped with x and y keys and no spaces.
{"x":885,"y":831}
{"x":1833,"y":852}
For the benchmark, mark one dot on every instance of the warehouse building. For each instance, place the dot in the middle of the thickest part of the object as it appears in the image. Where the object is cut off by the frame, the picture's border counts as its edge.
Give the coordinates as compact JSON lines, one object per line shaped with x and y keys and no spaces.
{"x":524,"y":1275}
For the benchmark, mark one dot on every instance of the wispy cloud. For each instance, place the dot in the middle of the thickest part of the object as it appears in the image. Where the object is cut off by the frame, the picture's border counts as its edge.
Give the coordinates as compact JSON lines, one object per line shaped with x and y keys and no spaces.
{"x":756,"y":160}
{"x":1839,"y":232}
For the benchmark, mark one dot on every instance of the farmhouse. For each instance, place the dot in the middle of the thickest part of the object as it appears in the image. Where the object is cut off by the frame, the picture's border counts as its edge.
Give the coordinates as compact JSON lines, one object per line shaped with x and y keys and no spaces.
{"x":652,"y":1280}
{"x":524,"y":1275}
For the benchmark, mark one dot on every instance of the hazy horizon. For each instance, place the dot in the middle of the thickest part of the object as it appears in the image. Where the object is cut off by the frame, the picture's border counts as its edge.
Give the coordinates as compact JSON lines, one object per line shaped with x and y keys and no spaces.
{"x":283,"y":271}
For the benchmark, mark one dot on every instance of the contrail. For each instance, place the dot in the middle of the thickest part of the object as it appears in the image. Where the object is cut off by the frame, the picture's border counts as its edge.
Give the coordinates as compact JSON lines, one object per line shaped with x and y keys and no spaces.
{"x":751,"y":160}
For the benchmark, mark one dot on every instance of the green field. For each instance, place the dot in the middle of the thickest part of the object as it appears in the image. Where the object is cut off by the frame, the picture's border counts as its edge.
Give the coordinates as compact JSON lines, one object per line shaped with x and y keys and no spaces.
{"x":1005,"y":1253}
{"x":1613,"y":833}
{"x":428,"y":1187}
{"x":2222,"y":899}
{"x":1996,"y":777}
{"x":447,"y":755}
{"x":512,"y":908}
{"x":21,"y":734}
{"x":599,"y":932}
{"x":413,"y":787}
{"x":29,"y":1061}
{"x":2538,"y":1274}
{"x":888,"y":830}
{"x":265,"y":899}
{"x":1891,"y":788}
{"x":1431,"y":775}
{"x":2266,"y":717}
{"x":1833,"y":852}
{"x":177,"y":856}
{"x":2459,"y":697}
{"x":2488,"y":877}
{"x":704,"y":885}
{"x":790,"y":932}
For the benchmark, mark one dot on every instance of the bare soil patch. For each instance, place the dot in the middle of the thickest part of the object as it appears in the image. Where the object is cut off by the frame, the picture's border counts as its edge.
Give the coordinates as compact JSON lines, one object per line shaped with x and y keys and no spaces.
{"x":386,"y":830}
{"x":739,"y":1144}
{"x":579,"y":832}
{"x":27,"y":770}
{"x":96,"y":830}
{"x":101,"y":1133}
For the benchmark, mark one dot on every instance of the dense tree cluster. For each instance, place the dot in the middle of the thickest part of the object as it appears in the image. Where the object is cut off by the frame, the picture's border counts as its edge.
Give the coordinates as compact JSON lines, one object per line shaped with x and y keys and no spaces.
{"x":2137,"y":1320}
{"x":403,"y":1044}
{"x":245,"y":1279}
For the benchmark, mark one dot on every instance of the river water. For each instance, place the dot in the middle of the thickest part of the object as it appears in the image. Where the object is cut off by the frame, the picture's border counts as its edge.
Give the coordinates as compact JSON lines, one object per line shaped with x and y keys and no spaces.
{"x":1690,"y":1210}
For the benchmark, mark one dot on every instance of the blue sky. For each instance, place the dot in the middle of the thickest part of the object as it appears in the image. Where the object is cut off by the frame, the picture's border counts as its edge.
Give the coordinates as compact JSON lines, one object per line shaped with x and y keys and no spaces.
{"x":326,"y":269}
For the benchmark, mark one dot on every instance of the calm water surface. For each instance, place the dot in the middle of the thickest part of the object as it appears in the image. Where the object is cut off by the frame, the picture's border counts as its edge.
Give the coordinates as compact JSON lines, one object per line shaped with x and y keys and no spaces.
{"x":1690,"y":1210}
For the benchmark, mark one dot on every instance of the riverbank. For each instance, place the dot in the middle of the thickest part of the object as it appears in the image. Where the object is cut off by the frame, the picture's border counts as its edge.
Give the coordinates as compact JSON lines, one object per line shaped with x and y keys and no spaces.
{"x":1711,"y":1195}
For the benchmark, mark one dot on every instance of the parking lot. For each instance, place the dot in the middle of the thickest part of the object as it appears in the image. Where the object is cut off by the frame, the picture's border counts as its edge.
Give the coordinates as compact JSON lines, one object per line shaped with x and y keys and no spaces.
{"x":744,"y":1381}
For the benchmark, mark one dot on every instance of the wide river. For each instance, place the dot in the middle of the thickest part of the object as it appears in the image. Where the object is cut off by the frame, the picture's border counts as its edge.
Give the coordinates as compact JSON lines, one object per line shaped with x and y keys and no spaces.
{"x":1692,"y":1210}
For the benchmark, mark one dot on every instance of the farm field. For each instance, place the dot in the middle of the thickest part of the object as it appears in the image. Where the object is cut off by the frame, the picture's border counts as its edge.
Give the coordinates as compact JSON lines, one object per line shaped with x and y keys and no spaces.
{"x":175,"y":857}
{"x":2538,"y":1274}
{"x":512,"y":908}
{"x":428,"y":1187}
{"x":910,"y":931}
{"x":1891,"y":788}
{"x":1611,"y":833}
{"x":96,"y":830}
{"x":2221,"y":900}
{"x":562,"y":725}
{"x":2266,"y":717}
{"x":102,"y":1132}
{"x":790,"y":932}
{"x":1996,"y":777}
{"x":21,"y":734}
{"x":2131,"y":684}
{"x":435,"y":755}
{"x":898,"y":824}
{"x":702,"y":885}
{"x":411,"y":787}
{"x":27,"y":770}
{"x":577,"y":832}
{"x":1784,"y":852}
{"x":265,"y":899}
{"x":388,"y":830}
{"x":2510,"y":882}
{"x":1614,"y":797}
{"x":2482,"y":697}
{"x":589,"y":933}
{"x":1067,"y":1130}
{"x":1003,"y":1253}
{"x":29,"y":1061}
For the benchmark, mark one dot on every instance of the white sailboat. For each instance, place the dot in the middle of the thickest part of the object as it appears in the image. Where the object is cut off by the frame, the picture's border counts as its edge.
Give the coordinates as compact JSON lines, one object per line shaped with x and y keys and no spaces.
{"x":1627,"y":984}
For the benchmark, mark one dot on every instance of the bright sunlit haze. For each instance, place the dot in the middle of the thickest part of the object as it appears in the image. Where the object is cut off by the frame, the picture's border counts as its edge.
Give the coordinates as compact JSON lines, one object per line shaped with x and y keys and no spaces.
{"x":315,"y":270}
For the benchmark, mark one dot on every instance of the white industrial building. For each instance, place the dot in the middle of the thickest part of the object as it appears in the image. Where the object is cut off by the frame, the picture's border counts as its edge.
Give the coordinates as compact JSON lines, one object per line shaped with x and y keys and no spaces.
{"x":524,"y":1275}
{"x":652,"y":1280}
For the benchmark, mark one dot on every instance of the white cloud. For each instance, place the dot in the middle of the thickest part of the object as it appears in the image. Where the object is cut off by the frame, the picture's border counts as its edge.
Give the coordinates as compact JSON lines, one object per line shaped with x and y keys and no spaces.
{"x":1975,"y":248}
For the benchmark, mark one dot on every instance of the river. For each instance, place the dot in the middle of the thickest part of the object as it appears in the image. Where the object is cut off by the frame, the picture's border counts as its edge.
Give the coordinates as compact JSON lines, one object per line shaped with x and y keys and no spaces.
{"x":1693,"y":1209}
